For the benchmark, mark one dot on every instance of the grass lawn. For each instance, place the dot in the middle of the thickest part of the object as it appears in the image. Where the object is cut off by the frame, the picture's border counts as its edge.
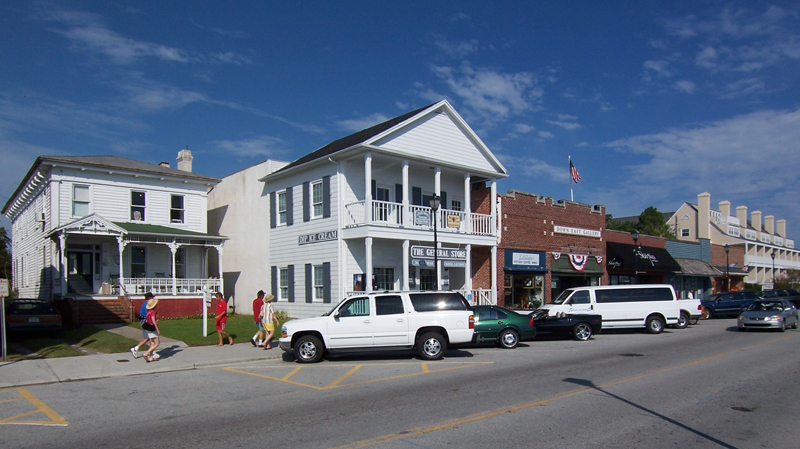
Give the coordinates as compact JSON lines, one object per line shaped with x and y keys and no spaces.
{"x":190,"y":330}
{"x":67,"y":343}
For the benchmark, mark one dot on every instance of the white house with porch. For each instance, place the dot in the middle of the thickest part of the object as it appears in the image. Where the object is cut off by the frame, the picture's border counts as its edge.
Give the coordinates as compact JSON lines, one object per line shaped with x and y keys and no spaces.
{"x":355,"y":215}
{"x":93,"y":226}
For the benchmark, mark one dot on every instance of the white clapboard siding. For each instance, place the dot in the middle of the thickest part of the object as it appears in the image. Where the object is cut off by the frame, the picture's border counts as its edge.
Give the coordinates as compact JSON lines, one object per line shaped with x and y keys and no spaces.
{"x":437,"y":137}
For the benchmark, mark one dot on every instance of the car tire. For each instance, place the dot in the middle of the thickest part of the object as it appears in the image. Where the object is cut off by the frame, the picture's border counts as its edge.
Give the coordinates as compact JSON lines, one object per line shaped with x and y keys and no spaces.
{"x":582,"y":331}
{"x":508,"y":339}
{"x":683,"y":320}
{"x":431,"y":346}
{"x":783,"y":326}
{"x":709,"y":314}
{"x":654,"y":325}
{"x":308,"y":349}
{"x":794,"y":326}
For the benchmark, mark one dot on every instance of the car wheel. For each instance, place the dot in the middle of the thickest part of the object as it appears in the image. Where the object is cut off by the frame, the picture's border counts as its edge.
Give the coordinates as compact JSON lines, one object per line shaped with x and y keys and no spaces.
{"x":794,"y":326}
{"x":431,"y":346}
{"x":709,"y":314}
{"x":508,"y":339}
{"x":654,"y":325}
{"x":683,"y":321}
{"x":308,"y":349}
{"x":582,"y":331}
{"x":783,"y":326}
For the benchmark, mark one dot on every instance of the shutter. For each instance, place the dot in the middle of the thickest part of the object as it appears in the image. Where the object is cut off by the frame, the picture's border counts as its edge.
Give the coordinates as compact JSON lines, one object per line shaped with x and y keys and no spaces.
{"x":291,"y":283}
{"x":309,"y":283}
{"x":416,"y":196}
{"x":289,"y":207}
{"x":273,"y":211}
{"x":326,"y":196}
{"x":374,"y":189}
{"x":306,"y":202}
{"x":398,"y":193}
{"x":326,"y":282}
{"x":275,"y":282}
{"x":444,"y":201}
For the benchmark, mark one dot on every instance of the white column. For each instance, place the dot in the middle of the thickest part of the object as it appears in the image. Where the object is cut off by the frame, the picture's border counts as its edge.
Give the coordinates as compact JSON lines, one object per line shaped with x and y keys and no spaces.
{"x":404,"y":282}
{"x":368,"y":188}
{"x":494,"y":208}
{"x":437,"y":184}
{"x":62,"y":240}
{"x":173,"y":247}
{"x":368,"y":274}
{"x":219,"y":264}
{"x":407,"y":216}
{"x":467,"y":203}
{"x":121,"y":246}
{"x":494,"y":274}
{"x":468,"y":269}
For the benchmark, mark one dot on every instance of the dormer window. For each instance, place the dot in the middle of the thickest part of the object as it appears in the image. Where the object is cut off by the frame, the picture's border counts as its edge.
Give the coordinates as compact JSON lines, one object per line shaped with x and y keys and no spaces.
{"x":137,"y":206}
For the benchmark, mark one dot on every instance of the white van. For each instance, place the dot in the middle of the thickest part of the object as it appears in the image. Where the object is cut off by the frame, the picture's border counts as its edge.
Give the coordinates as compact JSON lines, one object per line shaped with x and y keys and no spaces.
{"x":651,"y":306}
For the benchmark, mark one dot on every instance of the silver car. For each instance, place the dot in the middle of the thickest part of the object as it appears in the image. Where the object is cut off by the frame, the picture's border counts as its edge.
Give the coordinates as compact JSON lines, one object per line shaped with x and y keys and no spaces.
{"x":769,"y":313}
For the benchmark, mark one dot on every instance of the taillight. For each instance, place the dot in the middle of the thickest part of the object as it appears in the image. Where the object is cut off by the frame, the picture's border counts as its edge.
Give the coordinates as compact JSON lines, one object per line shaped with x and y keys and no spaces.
{"x":530,"y":323}
{"x":472,"y":321}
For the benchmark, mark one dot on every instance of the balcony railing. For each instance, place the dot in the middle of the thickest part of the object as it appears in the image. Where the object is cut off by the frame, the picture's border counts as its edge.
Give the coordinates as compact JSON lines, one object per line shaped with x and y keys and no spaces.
{"x":164,"y":286}
{"x":385,"y":213}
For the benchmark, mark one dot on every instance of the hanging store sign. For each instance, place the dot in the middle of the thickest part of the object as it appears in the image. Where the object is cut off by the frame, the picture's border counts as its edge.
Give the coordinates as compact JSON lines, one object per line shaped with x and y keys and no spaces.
{"x":453,"y":221}
{"x":426,"y":252}
{"x":422,"y":217}
{"x":324,"y":236}
{"x":576,"y":231}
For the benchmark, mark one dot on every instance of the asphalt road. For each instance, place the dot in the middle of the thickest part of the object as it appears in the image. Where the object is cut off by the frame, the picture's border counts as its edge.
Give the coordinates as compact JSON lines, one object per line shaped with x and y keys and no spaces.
{"x":705,"y":386}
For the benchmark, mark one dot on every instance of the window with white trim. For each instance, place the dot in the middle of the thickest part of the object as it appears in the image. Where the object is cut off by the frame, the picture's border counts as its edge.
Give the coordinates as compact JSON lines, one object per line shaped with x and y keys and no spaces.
{"x":176,"y":209}
{"x":137,"y":205}
{"x":138,"y":262}
{"x":455,"y":205}
{"x":685,"y":232}
{"x":319,"y":279}
{"x":316,"y":199}
{"x":283,"y":284}
{"x":80,"y":201}
{"x":384,"y":278}
{"x":282,"y":208}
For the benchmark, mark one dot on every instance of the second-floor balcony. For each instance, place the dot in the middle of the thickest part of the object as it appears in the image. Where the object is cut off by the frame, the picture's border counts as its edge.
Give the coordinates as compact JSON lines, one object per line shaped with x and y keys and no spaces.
{"x":385,"y":213}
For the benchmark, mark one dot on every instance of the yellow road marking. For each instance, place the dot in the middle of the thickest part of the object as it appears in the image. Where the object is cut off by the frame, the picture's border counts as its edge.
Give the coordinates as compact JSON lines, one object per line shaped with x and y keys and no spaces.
{"x":339,"y":382}
{"x":492,"y":413}
{"x":55,"y":418}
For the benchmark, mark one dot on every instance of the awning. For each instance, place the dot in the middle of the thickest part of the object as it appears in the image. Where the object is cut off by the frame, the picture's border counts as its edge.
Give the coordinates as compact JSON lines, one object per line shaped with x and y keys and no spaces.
{"x":733,"y":271}
{"x":576,"y":264}
{"x":621,"y":257}
{"x":694,"y":267}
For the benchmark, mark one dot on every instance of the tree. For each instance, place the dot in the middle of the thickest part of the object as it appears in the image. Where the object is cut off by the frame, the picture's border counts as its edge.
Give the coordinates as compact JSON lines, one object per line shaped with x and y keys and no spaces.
{"x":5,"y":254}
{"x":650,"y":222}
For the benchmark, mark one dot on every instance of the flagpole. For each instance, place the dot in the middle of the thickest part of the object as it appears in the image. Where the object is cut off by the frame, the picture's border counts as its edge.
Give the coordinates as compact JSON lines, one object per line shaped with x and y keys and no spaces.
{"x":569,"y":179}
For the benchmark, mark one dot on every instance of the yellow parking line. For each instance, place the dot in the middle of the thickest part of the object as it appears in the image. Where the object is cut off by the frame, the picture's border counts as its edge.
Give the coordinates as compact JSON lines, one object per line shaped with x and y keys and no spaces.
{"x":55,"y":418}
{"x":492,"y":413}
{"x":345,"y":376}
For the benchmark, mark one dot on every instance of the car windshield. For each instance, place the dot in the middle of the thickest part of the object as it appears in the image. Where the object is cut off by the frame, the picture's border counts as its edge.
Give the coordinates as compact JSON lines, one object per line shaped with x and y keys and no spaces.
{"x":768,"y":306}
{"x":563,"y":296}
{"x":769,"y":294}
{"x":335,"y":307}
{"x":538,"y":314}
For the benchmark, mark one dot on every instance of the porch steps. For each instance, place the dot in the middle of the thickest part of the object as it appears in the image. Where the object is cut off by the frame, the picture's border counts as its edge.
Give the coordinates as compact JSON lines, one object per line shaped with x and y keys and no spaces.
{"x":102,"y":311}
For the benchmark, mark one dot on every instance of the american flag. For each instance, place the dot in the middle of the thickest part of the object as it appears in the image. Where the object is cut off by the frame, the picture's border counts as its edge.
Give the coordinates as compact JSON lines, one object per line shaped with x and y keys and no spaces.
{"x":574,"y":172}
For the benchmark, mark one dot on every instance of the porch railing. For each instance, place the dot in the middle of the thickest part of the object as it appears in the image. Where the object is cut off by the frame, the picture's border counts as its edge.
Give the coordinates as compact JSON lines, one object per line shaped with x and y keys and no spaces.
{"x":386,"y":213}
{"x":164,"y":285}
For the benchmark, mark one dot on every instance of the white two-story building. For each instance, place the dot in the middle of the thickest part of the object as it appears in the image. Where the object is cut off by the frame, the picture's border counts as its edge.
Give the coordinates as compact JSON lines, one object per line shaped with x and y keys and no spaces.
{"x":92,"y":226}
{"x":355,"y":215}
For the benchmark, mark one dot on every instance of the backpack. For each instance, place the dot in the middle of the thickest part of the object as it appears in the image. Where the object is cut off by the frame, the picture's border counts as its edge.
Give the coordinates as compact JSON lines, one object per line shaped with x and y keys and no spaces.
{"x":143,"y":312}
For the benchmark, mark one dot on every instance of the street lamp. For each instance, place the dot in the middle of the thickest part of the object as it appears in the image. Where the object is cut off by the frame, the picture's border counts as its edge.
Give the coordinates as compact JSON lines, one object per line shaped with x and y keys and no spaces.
{"x":435,"y":202}
{"x":635,"y":236}
{"x":727,"y":276}
{"x":773,"y":269}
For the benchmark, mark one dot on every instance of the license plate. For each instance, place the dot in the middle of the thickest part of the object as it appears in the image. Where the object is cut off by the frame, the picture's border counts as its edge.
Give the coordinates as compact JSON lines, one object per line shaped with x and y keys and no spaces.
{"x":33,"y":319}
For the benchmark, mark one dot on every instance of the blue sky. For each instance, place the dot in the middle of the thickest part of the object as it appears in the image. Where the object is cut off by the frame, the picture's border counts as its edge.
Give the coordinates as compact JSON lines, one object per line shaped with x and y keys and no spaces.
{"x":655,"y":101}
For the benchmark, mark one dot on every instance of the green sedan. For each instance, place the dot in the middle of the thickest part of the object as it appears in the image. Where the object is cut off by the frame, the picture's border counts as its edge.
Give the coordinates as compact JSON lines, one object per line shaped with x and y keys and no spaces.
{"x":504,"y":327}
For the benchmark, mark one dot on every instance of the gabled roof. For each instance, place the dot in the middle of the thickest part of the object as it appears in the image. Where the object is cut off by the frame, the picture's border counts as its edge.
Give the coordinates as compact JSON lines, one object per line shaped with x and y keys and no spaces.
{"x":373,"y":134}
{"x":158,"y":230}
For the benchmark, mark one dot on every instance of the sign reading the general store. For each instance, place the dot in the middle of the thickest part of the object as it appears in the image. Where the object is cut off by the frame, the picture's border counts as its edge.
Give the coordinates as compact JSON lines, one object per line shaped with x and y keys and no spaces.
{"x":426,"y":252}
{"x":324,"y":236}
{"x":576,"y":231}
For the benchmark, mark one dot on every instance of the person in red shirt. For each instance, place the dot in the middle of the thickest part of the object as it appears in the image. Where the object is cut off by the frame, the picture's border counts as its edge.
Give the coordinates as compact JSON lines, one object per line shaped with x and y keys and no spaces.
{"x":257,"y":303}
{"x":222,"y":318}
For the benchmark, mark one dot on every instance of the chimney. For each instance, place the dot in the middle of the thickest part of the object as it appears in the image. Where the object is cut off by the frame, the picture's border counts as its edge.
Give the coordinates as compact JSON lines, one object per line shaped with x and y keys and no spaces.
{"x":741,"y":214}
{"x":781,"y":224}
{"x":755,"y":220}
{"x":163,"y":164}
{"x":704,"y":215}
{"x":769,"y":224}
{"x":185,"y":160}
{"x":725,"y":209}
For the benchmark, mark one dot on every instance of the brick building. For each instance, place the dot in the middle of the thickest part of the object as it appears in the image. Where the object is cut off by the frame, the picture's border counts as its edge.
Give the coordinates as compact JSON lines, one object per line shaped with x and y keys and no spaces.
{"x":546,"y":246}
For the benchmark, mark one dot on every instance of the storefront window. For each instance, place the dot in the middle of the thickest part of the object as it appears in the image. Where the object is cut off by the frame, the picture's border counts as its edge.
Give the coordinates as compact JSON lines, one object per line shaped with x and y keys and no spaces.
{"x":427,"y":279}
{"x":524,"y":290}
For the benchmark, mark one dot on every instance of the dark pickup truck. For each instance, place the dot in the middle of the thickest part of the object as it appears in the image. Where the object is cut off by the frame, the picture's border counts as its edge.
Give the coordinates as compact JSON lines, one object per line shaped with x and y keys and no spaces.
{"x":790,"y":295}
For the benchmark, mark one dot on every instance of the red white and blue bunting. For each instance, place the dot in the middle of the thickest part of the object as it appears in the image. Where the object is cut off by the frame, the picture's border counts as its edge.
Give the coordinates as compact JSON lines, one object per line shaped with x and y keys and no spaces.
{"x":578,"y":261}
{"x":556,"y":256}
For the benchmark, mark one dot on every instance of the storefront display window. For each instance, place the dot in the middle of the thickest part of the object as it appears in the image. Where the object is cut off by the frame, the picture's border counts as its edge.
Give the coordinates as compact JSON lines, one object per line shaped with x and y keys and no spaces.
{"x":524,"y":291}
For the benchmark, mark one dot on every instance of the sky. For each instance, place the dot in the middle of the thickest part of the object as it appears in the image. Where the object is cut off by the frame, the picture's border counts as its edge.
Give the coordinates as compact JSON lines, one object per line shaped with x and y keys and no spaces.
{"x":654,"y":101}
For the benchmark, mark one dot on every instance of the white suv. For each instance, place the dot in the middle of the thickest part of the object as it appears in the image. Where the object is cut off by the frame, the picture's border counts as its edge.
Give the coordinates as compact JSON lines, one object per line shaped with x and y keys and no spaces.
{"x":428,"y":321}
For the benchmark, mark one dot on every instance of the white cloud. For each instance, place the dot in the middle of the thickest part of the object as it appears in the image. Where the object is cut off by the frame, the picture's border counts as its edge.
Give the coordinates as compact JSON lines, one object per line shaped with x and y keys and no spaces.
{"x":532,"y":167}
{"x":522,"y":128}
{"x":456,"y":49}
{"x":685,"y":86}
{"x":660,"y":67}
{"x":546,"y":135}
{"x":357,"y":124}
{"x":264,"y":146}
{"x":569,"y":126}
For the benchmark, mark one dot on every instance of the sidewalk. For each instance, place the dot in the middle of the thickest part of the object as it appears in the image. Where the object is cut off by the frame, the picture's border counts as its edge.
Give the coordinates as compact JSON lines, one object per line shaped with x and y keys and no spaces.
{"x":175,"y":356}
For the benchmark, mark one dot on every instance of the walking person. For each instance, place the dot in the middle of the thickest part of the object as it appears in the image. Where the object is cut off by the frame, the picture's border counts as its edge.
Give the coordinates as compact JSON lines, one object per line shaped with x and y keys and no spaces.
{"x":142,"y":314}
{"x":221,"y":319}
{"x":151,"y":326}
{"x":268,"y":319}
{"x":257,"y":303}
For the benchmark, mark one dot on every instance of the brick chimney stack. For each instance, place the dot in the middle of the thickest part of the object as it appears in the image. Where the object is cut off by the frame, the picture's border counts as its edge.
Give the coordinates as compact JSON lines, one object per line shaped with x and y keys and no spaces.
{"x":781,"y":228}
{"x":704,"y":215}
{"x":741,"y":214}
{"x":185,"y":160}
{"x":755,"y":220}
{"x":769,"y":224}
{"x":725,"y":209}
